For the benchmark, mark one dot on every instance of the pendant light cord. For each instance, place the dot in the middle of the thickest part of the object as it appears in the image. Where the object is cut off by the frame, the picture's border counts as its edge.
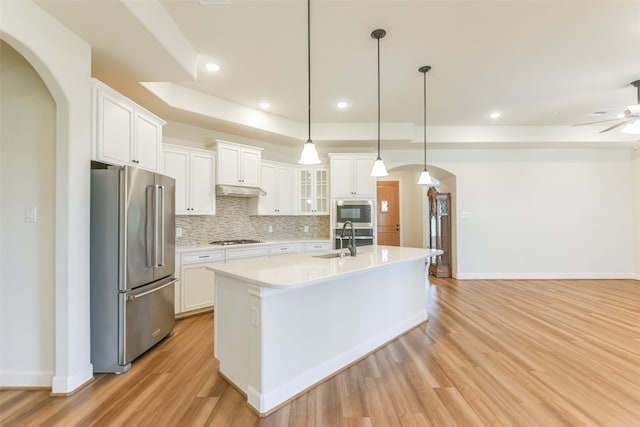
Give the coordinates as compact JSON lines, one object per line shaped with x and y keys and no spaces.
{"x":309,"y":65}
{"x":424,"y":70}
{"x":425,"y":120}
{"x":378,"y":98}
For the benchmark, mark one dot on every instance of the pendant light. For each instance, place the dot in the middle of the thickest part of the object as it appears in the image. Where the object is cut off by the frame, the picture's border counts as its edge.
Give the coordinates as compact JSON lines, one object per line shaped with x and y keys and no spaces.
{"x":309,"y":154}
{"x":425,"y":178}
{"x":378,"y":166}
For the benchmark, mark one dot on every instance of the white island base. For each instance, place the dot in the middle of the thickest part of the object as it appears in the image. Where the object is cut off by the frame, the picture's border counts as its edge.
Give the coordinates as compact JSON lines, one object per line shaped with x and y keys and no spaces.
{"x":286,"y":323}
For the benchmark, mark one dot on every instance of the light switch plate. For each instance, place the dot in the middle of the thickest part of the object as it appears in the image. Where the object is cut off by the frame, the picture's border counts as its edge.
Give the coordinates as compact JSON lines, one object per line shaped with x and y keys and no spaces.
{"x":31,"y":214}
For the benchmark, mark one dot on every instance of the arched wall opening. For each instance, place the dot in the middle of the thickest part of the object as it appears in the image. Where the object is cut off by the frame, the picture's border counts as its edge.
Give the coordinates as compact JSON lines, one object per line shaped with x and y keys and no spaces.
{"x":27,"y":210}
{"x":414,"y":203}
{"x":63,"y":63}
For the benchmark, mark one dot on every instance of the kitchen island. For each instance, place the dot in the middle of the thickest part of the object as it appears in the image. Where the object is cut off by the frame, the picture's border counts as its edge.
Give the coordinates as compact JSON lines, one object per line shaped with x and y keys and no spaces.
{"x":283,"y":324}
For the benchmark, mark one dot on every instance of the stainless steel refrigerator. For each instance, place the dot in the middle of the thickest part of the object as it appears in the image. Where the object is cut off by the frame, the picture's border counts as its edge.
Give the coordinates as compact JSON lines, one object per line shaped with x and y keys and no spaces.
{"x":132,"y":263}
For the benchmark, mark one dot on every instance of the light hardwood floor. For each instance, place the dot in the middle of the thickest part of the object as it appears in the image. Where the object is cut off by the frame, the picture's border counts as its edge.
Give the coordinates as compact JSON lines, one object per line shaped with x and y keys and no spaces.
{"x":494,"y":353}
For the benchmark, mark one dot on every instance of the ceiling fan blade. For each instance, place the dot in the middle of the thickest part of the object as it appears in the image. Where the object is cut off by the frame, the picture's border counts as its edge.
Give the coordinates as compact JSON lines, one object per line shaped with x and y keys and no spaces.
{"x":591,"y":123}
{"x":623,"y":122}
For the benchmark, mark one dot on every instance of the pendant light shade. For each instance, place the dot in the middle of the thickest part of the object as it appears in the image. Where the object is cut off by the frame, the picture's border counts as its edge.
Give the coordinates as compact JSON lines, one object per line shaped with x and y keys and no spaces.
{"x":425,"y":178}
{"x":378,"y":166}
{"x":309,"y":153}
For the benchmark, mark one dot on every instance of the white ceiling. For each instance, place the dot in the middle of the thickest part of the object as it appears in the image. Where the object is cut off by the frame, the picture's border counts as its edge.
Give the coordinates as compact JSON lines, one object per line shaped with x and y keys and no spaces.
{"x":540,"y":63}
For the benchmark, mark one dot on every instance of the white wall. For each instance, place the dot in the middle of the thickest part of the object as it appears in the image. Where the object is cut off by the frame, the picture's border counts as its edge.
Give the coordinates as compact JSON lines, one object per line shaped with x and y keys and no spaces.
{"x":636,"y":210}
{"x":543,"y":213}
{"x":63,"y":62}
{"x":27,"y":177}
{"x":539,"y":213}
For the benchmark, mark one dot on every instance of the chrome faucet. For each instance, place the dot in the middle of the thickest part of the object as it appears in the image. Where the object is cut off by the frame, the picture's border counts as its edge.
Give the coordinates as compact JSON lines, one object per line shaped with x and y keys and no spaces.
{"x":352,"y":239}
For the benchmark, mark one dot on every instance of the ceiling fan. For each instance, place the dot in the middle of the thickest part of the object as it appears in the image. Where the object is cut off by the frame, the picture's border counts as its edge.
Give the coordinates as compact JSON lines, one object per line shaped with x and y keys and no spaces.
{"x":630,"y":117}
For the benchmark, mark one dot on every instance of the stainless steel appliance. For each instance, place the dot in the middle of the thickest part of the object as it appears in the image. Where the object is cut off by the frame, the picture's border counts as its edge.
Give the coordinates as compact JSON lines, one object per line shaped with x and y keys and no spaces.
{"x":132,"y":263}
{"x":362,"y":237}
{"x":359,"y":212}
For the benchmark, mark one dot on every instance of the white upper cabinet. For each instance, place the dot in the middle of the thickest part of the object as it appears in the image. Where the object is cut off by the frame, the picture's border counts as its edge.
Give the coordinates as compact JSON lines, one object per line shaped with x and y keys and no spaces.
{"x":351,"y":176}
{"x":313,"y":193}
{"x":124,"y":133}
{"x":194,"y":172}
{"x":279,"y":181}
{"x":238,"y":164}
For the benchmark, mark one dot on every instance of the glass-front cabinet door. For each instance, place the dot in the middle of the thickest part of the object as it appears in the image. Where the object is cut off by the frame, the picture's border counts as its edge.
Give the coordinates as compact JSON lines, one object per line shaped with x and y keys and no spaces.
{"x":321,"y":191}
{"x":314,"y":191}
{"x":306,"y":190}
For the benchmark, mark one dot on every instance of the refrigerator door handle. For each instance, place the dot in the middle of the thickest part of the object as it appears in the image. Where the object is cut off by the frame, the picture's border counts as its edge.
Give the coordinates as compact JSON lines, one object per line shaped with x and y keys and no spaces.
{"x":155,"y":225}
{"x":150,"y":241}
{"x":161,"y":239}
{"x":136,"y":296}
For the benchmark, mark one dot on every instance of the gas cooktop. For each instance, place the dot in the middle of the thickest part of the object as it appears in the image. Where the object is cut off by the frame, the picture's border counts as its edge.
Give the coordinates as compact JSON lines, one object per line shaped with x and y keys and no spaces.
{"x":234,"y":242}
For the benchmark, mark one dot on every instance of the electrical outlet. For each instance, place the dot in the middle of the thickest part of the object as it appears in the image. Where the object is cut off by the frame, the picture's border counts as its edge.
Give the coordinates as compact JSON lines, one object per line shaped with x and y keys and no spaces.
{"x":254,"y":317}
{"x":271,"y":229}
{"x":306,"y":228}
{"x":178,"y":232}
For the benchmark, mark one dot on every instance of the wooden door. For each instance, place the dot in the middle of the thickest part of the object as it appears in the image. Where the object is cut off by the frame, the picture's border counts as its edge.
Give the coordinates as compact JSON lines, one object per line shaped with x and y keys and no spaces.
{"x":388,"y":211}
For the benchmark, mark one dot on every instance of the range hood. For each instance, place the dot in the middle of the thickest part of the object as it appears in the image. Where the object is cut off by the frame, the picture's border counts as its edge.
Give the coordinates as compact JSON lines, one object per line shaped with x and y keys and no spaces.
{"x":238,"y":191}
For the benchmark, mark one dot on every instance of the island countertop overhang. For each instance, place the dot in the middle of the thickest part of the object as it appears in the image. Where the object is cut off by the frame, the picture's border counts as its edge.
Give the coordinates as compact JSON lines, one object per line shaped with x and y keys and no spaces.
{"x":296,"y":270}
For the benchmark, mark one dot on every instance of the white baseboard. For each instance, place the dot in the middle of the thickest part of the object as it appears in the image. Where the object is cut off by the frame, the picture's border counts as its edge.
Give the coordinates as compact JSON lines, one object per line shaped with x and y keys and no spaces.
{"x":26,"y":378}
{"x":67,"y":384}
{"x":545,"y":276}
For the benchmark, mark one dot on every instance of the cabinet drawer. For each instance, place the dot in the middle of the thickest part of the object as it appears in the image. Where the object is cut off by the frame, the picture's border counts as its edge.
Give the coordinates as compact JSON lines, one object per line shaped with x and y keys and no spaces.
{"x":318,"y":246}
{"x":285,"y":248}
{"x":247,"y":252}
{"x":202,"y":257}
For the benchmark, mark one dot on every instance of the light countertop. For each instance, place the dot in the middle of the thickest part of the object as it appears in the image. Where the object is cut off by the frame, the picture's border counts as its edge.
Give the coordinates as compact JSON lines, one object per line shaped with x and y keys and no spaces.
{"x":207,"y":246}
{"x":293,"y":270}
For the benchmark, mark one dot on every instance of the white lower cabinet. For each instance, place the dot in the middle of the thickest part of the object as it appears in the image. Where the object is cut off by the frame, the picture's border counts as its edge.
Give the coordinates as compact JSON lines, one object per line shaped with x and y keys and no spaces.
{"x":196,"y":281}
{"x":195,"y":290}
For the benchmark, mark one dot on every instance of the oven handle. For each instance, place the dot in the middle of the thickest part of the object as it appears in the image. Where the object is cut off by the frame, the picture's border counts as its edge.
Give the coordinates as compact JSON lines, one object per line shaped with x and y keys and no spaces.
{"x":135,"y":297}
{"x":357,"y":237}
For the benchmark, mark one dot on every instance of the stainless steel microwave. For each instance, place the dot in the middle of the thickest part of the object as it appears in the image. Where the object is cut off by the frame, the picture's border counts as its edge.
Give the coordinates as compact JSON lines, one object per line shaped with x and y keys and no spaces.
{"x":359,"y":212}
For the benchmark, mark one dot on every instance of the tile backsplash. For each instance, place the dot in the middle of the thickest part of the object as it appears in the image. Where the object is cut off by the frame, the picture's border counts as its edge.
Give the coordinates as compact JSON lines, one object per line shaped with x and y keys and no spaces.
{"x":233,"y":221}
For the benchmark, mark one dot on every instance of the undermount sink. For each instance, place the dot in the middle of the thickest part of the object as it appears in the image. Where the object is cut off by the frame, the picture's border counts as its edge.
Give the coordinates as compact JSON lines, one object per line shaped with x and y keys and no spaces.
{"x":330,"y":255}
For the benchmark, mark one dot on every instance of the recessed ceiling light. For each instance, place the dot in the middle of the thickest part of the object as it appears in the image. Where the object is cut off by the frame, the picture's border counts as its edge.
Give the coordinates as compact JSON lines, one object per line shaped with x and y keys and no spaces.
{"x":342,"y":104}
{"x":212,"y":67}
{"x":495,"y":115}
{"x":265,"y":105}
{"x":621,"y":116}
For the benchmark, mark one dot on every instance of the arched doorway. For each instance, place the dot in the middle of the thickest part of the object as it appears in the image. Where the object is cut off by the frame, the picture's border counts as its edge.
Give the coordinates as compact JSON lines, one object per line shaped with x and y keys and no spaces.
{"x":414,"y":203}
{"x":27,"y":209}
{"x":63,"y":62}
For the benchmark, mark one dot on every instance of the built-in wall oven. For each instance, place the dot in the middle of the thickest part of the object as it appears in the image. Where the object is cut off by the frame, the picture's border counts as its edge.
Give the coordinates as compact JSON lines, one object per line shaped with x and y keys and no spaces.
{"x":361,"y":213}
{"x":363,"y":237}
